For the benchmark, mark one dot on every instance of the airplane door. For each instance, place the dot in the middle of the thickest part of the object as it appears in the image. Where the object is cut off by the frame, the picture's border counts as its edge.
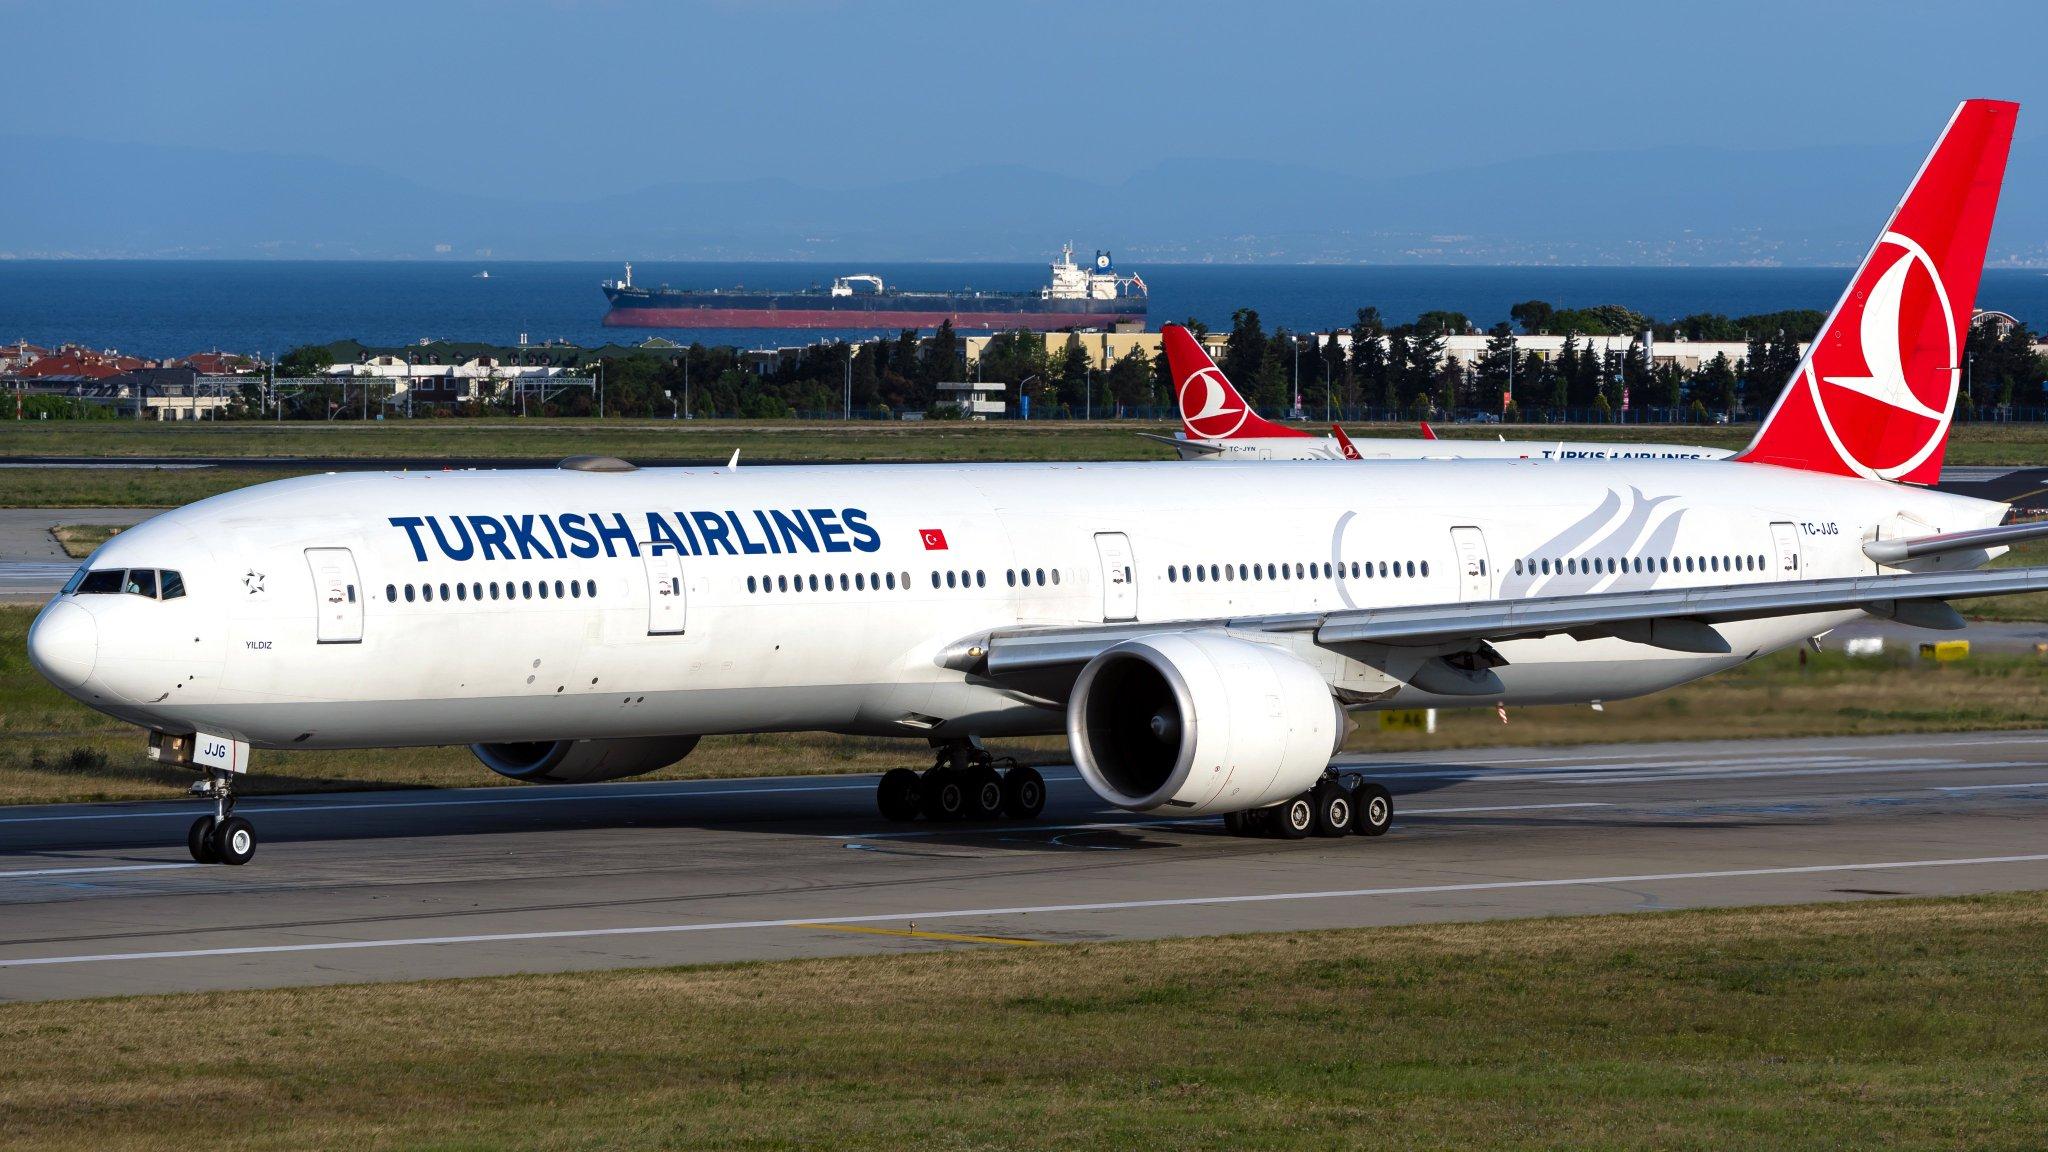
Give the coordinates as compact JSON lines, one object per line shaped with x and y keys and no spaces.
{"x":338,"y":596}
{"x":1785,"y":539}
{"x":1475,"y":581}
{"x":1119,"y":577}
{"x":666,"y":604}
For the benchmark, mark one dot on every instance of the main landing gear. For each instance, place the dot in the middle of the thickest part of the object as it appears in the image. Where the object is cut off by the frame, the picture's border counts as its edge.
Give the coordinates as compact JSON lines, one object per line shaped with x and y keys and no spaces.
{"x":223,"y":837}
{"x":1336,"y":806}
{"x":965,"y":783}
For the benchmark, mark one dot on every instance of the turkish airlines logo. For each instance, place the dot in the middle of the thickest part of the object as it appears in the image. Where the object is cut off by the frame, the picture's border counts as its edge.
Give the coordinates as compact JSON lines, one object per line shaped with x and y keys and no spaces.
{"x":1209,"y":412}
{"x":934,"y":539}
{"x":1885,"y":401}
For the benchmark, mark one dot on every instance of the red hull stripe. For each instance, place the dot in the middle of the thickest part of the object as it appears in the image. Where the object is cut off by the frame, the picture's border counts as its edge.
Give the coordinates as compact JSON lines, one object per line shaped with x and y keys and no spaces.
{"x":820,"y":318}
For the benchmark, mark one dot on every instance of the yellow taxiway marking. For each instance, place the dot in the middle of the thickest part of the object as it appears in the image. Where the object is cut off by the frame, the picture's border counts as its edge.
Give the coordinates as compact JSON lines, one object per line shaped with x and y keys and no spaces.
{"x":915,"y":934}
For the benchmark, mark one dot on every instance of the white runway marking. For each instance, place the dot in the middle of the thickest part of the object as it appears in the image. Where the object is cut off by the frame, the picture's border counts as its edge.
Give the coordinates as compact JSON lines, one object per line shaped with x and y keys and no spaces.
{"x":1109,"y":825}
{"x":1023,"y":910}
{"x":552,"y":798}
{"x":1988,"y":787}
{"x":96,"y":868}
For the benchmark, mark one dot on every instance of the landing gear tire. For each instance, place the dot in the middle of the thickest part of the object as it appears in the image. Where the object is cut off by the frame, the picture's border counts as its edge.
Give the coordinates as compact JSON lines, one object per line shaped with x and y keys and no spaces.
{"x":945,"y":794}
{"x":199,"y":841}
{"x":1333,"y":809}
{"x":984,"y":793}
{"x":1296,"y":818}
{"x":898,"y":795}
{"x":1023,"y":793}
{"x":1233,"y":823}
{"x":234,"y":842}
{"x":1372,"y":809}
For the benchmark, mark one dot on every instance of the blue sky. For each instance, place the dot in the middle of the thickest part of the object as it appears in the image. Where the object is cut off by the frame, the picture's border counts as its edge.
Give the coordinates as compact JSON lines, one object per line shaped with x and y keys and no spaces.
{"x":855,"y":93}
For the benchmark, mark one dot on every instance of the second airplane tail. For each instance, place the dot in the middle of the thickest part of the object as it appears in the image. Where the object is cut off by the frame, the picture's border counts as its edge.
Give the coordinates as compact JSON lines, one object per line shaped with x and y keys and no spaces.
{"x":1210,"y":408}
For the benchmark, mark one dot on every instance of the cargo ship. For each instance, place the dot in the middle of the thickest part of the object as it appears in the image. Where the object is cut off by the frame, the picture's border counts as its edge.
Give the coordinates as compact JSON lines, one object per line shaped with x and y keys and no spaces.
{"x":1075,"y":297}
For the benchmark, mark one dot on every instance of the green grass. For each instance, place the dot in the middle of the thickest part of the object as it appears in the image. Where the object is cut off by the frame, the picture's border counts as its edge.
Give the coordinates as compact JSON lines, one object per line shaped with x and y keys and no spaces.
{"x":2027,"y":606}
{"x":53,"y":749}
{"x":78,"y":540}
{"x":1893,"y":1024}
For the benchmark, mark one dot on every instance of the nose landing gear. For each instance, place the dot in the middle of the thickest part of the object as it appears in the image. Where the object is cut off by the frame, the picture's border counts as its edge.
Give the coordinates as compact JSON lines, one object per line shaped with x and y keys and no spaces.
{"x":223,"y":837}
{"x":965,"y":783}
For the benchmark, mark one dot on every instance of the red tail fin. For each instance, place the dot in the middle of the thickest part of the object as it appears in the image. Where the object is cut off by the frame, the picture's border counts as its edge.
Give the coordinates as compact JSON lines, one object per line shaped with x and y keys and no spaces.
{"x":1210,"y":409}
{"x":1345,"y":445}
{"x":1428,"y":433}
{"x":1876,"y":391}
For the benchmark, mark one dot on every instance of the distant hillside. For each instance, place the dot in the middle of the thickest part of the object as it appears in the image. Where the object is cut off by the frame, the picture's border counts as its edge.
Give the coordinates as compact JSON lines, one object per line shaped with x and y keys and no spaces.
{"x":1646,"y":206}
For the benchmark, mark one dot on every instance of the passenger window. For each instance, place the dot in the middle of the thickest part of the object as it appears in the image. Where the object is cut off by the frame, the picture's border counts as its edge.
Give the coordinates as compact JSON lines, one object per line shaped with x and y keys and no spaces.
{"x":1425,"y":568}
{"x":558,"y":589}
{"x":391,"y":593}
{"x":427,"y":593}
{"x":980,"y":579}
{"x":494,"y":589}
{"x":408,"y":593}
{"x":174,"y":585}
{"x":462,"y":591}
{"x":141,"y":582}
{"x":590,"y":588}
{"x":1055,"y":576}
{"x":526,"y":589}
{"x":860,"y":582}
{"x":444,"y":592}
{"x":1041,"y":577}
{"x":814,"y":582}
{"x":1172,"y":574}
{"x":575,"y":590}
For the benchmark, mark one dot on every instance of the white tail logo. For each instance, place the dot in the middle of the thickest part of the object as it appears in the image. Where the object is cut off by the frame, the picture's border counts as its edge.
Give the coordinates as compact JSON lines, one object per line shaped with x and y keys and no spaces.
{"x":1215,"y":401}
{"x":1880,"y":334}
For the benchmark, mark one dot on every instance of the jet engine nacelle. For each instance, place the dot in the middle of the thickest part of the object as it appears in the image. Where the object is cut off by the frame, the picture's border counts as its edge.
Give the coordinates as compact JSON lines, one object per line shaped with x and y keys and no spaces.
{"x":1201,"y":722}
{"x":583,"y":761}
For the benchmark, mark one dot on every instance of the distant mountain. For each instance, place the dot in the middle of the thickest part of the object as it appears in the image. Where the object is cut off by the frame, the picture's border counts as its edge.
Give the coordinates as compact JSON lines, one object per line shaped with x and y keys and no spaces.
{"x":70,"y":198}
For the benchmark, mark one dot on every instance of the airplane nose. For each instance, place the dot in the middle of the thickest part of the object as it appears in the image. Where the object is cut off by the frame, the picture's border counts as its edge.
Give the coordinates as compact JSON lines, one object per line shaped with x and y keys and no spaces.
{"x":63,"y":644}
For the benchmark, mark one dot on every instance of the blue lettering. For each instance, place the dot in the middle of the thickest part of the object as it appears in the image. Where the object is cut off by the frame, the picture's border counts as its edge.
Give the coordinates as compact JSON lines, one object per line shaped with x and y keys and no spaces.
{"x":411,"y":524}
{"x":572,"y":527}
{"x":793,"y":529}
{"x":448,"y":549}
{"x":767,"y":530}
{"x":689,"y":533}
{"x":714,"y":533}
{"x":529,"y":544}
{"x":490,"y":535}
{"x":549,"y":523}
{"x":618,"y":530}
{"x":747,"y":545}
{"x":830,"y":530}
{"x":865,"y":538}
{"x":660,"y":536}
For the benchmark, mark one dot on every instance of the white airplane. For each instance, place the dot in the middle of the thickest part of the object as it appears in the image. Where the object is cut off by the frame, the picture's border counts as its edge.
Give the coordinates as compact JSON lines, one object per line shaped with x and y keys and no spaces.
{"x":1218,"y":423}
{"x":1199,"y":634}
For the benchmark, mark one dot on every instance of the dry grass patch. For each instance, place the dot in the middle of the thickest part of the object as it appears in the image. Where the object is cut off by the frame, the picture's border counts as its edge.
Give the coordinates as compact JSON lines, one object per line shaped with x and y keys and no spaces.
{"x":1882,"y":1024}
{"x":78,"y":540}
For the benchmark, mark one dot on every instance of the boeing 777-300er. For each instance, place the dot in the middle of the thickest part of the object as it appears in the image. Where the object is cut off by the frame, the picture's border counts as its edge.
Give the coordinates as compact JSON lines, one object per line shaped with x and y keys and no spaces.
{"x":1197,"y":633}
{"x":1218,"y":423}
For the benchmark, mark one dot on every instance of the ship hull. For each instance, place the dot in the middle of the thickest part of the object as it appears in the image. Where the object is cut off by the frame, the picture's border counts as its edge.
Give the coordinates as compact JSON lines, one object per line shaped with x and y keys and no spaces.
{"x":640,"y":308}
{"x":832,"y":318}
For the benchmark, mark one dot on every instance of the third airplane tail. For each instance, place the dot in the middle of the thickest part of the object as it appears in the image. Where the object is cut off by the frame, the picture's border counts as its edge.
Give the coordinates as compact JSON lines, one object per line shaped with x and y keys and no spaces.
{"x":1210,"y":408}
{"x":1877,"y":389}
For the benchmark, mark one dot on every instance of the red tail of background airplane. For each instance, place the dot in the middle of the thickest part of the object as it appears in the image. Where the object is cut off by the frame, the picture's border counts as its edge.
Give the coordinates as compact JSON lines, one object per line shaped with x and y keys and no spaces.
{"x":1210,"y":409}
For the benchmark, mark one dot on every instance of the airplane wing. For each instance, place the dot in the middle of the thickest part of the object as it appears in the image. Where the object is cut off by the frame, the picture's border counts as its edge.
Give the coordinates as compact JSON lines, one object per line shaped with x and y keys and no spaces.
{"x":1183,"y":445}
{"x":1679,"y":619}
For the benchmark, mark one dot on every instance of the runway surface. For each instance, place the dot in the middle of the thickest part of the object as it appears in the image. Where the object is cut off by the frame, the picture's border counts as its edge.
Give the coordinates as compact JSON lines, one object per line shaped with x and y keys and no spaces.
{"x":102,"y":899}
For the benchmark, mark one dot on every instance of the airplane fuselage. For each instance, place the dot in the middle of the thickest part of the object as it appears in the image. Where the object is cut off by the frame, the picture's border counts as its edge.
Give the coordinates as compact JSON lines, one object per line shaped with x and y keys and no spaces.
{"x":382,"y":609}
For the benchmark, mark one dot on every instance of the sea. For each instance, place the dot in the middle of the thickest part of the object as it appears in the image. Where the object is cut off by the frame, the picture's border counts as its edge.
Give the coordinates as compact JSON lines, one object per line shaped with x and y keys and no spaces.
{"x":160,"y":308}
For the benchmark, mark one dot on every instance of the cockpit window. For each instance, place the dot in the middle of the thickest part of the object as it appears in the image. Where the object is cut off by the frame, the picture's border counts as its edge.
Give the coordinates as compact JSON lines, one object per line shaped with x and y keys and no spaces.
{"x":148,"y":582}
{"x":72,"y":584}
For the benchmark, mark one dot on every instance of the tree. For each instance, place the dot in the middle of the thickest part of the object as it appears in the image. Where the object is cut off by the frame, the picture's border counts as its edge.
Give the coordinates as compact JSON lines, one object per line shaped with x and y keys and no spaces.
{"x":1716,"y":383}
{"x":1441,"y":322}
{"x":1366,"y":375}
{"x":1496,"y":367}
{"x":1245,"y":352}
{"x":1130,"y":379}
{"x":1532,"y":315}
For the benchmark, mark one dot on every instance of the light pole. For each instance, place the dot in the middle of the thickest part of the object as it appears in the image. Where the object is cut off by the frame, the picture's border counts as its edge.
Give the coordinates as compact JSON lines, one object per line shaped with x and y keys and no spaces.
{"x":1296,"y":341}
{"x":1024,"y":401}
{"x":849,"y":383}
{"x":1088,"y":393}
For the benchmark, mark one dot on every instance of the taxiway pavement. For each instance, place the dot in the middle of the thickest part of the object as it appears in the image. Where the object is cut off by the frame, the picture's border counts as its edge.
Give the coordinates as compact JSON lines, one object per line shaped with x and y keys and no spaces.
{"x":102,"y":899}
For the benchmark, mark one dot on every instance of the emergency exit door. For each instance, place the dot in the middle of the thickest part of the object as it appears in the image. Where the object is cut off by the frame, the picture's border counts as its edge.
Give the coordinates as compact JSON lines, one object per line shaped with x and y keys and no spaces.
{"x":337,"y":595}
{"x":1785,"y":541}
{"x":1119,"y":576}
{"x":666,"y":607}
{"x":1475,"y":582}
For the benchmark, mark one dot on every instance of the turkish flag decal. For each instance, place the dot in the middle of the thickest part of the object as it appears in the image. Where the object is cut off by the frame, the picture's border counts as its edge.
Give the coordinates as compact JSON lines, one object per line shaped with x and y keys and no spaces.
{"x":934,"y":539}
